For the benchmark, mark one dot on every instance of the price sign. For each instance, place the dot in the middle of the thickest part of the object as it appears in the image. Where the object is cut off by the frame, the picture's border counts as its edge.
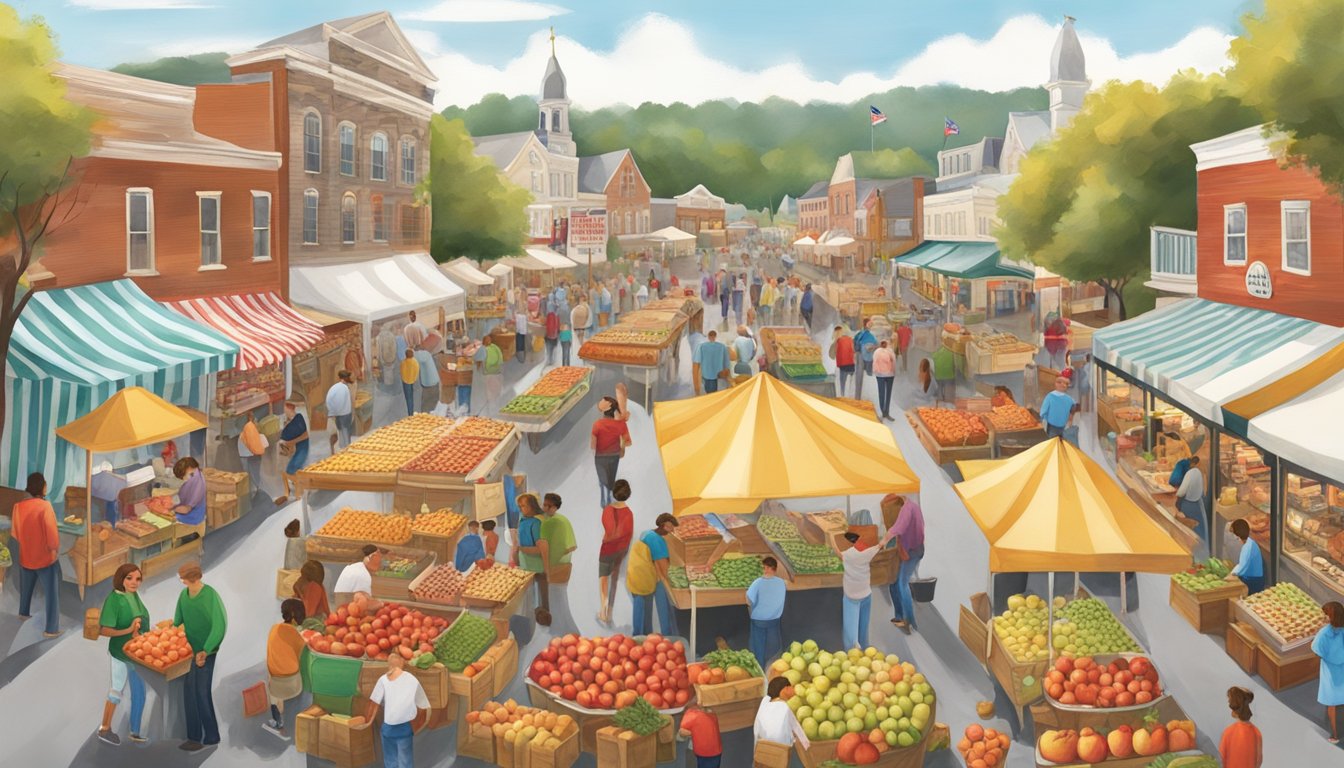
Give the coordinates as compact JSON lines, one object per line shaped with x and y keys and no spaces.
{"x":1258,"y":283}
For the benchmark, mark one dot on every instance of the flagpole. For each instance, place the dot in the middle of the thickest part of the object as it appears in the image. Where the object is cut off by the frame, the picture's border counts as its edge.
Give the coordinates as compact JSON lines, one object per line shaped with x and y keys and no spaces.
{"x":872,"y":129}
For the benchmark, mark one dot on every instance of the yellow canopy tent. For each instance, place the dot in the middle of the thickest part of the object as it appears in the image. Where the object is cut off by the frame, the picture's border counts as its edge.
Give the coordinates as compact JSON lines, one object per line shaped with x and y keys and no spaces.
{"x":731,"y":450}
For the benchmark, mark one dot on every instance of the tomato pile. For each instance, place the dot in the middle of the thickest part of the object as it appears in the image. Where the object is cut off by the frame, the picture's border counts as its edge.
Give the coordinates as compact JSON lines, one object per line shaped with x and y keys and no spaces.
{"x":160,"y":647}
{"x":365,"y":630}
{"x":1085,"y":682}
{"x":611,"y":672}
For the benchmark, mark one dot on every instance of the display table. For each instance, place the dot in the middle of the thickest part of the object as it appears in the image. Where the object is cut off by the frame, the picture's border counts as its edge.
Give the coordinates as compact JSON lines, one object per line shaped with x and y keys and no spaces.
{"x":535,"y":428}
{"x":166,"y":715}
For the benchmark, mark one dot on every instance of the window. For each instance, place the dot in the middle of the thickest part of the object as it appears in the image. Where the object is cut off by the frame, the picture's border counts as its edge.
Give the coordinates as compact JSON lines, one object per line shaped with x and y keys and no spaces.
{"x":346,"y":135}
{"x":569,"y":185}
{"x":261,"y":226}
{"x":312,"y":143}
{"x":379,"y":222}
{"x":555,"y":120}
{"x":937,"y":224}
{"x":1234,"y":234}
{"x":541,"y":121}
{"x":310,"y":217}
{"x":407,"y":161}
{"x":629,"y":223}
{"x":410,"y":225}
{"x":644,"y":223}
{"x":378,"y":157}
{"x":1296,"y":236}
{"x":208,"y":202}
{"x":139,"y":231}
{"x":555,"y":185}
{"x":348,"y":211}
{"x":536,"y":182}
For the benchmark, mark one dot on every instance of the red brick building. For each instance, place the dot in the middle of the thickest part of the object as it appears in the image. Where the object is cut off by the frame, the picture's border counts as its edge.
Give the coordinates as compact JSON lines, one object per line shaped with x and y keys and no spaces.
{"x":616,"y":178}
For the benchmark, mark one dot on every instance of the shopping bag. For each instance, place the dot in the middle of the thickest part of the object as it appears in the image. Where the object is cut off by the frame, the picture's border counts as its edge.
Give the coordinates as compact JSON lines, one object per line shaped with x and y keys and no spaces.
{"x":254,"y":700}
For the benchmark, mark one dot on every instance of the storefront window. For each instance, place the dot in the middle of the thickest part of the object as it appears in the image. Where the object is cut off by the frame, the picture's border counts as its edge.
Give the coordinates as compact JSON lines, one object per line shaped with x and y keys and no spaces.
{"x":1120,"y":421}
{"x":1243,"y":491}
{"x":1313,"y":535}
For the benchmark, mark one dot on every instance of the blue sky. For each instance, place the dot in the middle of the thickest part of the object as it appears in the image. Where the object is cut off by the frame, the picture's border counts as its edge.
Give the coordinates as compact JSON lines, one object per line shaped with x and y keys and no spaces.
{"x":815,"y":43}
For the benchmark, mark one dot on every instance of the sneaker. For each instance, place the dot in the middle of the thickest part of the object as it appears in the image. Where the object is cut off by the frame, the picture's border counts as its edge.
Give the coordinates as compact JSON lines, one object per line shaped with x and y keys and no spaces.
{"x":276,"y":728}
{"x":280,"y":501}
{"x":50,"y":635}
{"x":191,"y":746}
{"x":899,"y":623}
{"x":108,"y":737}
{"x":138,"y":739}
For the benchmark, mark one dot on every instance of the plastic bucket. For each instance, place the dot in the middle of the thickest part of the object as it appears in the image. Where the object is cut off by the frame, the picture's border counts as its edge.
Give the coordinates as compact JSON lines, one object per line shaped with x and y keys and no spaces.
{"x":921,"y":590}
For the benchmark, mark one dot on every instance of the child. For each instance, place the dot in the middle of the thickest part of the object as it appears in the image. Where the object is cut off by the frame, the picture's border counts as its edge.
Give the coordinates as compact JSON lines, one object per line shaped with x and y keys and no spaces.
{"x":491,"y":538}
{"x":283,"y":647}
{"x":702,"y":728}
{"x":1241,"y":746}
{"x":470,"y":549}
{"x":296,"y":552}
{"x":566,"y":341}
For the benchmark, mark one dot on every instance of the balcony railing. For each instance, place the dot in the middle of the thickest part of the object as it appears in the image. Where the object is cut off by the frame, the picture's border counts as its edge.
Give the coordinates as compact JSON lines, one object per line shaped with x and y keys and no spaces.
{"x":1173,"y":260}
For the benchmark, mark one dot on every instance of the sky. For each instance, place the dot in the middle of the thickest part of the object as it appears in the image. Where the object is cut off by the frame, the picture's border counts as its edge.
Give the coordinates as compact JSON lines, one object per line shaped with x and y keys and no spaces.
{"x":632,"y":51}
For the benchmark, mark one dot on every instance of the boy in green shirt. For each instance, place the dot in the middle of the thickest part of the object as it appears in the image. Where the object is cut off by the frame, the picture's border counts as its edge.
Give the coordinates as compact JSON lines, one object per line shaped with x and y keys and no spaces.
{"x":200,"y":613}
{"x":558,"y":533}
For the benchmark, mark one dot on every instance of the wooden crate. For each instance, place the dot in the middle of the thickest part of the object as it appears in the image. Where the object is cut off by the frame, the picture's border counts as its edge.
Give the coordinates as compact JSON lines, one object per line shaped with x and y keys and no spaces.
{"x":343,"y":744}
{"x":1206,"y":611}
{"x":735,"y":716}
{"x":1268,"y":636}
{"x":619,"y":748}
{"x":442,"y":547}
{"x":698,"y":551}
{"x":987,"y":362}
{"x":769,"y":754}
{"x":1021,"y":680}
{"x":948,"y":454}
{"x":284,"y":583}
{"x":398,"y":588}
{"x":562,"y":756}
{"x":1049,"y":714}
{"x":306,"y":727}
{"x":1243,"y":645}
{"x":734,"y":704}
{"x":503,"y":657}
{"x":475,"y":691}
{"x":1286,"y":670}
{"x":477,"y":741}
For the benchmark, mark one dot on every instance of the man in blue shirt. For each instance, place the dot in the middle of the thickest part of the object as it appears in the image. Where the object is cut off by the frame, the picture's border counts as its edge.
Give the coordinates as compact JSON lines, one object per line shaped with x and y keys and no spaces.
{"x":531,"y":552}
{"x":805,"y":306}
{"x":712,"y":357}
{"x":765,"y":598}
{"x":604,"y":307}
{"x":864,"y":344}
{"x":1250,"y":567}
{"x":1057,"y":409}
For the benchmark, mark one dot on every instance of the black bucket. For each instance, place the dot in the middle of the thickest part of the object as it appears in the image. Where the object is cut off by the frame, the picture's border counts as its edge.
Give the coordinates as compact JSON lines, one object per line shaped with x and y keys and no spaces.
{"x":921,"y":590}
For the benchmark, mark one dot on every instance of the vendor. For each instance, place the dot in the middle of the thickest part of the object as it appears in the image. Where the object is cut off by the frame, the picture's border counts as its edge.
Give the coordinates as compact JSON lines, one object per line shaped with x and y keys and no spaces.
{"x":358,"y":577}
{"x":1250,"y":567}
{"x":1002,"y":395}
{"x":190,"y":509}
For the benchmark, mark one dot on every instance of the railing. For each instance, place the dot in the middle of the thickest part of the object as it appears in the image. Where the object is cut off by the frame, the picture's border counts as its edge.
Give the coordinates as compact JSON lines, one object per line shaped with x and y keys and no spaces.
{"x":1173,"y":259}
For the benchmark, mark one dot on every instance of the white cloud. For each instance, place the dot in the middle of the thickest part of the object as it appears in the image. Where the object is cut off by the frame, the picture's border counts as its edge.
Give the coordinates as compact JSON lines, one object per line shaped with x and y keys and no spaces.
{"x":137,"y":5}
{"x":467,"y":11}
{"x":191,"y":46}
{"x":658,"y":59}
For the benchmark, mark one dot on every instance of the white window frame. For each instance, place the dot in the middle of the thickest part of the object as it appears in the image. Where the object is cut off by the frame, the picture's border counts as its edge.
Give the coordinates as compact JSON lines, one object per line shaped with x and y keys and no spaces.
{"x":373,"y":153}
{"x":270,"y":211}
{"x":317,"y":217}
{"x":1246,"y":226}
{"x":318,"y":115}
{"x":377,"y":213}
{"x":201,"y":197}
{"x":407,"y":143}
{"x":1294,"y":206}
{"x":149,"y":231}
{"x":354,"y":218}
{"x":341,"y":145}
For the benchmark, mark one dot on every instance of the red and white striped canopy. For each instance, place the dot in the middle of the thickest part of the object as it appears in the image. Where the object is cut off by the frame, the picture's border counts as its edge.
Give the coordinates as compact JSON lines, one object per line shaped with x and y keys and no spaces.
{"x":266,"y":328}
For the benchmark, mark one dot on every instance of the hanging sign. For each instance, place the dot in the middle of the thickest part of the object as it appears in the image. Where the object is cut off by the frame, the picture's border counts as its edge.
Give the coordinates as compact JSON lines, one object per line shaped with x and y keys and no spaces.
{"x":1258,"y":283}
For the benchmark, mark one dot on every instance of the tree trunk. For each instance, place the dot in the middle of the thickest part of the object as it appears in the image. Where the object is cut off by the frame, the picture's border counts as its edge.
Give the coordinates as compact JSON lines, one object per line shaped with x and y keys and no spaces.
{"x":1116,"y":289}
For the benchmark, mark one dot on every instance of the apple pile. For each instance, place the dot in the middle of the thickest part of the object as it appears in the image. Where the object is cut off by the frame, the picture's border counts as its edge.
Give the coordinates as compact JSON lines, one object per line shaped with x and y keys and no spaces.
{"x":611,"y":672}
{"x":368,"y":629}
{"x":1084,"y":682}
{"x":1089,"y":746}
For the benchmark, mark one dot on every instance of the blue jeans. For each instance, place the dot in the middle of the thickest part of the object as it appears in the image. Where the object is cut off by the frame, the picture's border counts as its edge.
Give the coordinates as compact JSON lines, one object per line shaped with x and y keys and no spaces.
{"x":397,"y":741}
{"x":844,"y":372}
{"x":123,"y":672}
{"x":708,"y":762}
{"x":902,"y":603}
{"x":643,"y":606}
{"x":711,"y":385}
{"x":202,"y":726}
{"x":855,"y":616}
{"x":464,"y":396}
{"x":1052,"y":431}
{"x":765,"y":640}
{"x":345,"y":426}
{"x":550,"y":350}
{"x":884,"y":394}
{"x":1253,"y":584}
{"x":564,"y":352}
{"x":409,"y":391}
{"x":51,"y":586}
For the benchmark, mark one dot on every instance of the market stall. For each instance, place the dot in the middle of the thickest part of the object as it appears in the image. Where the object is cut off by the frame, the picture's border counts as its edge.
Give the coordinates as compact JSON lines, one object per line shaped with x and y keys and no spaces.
{"x":537,"y":410}
{"x":485,"y":300}
{"x":793,"y":357}
{"x":969,"y":280}
{"x":645,"y":343}
{"x":538,"y":268}
{"x":672,"y":241}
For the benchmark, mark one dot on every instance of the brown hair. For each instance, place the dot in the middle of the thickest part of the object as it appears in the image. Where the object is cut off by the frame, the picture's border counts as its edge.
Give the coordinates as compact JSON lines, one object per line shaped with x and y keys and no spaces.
{"x":182,"y":465}
{"x":1239,"y":701}
{"x":292,"y":611}
{"x":1241,"y":529}
{"x":530,"y":501}
{"x":190,"y":572}
{"x":292,"y":529}
{"x":777,"y":686}
{"x":1335,"y":612}
{"x":119,"y":578}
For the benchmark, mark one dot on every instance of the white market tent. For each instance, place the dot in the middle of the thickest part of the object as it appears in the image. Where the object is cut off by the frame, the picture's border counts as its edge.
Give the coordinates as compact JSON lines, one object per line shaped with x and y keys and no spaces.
{"x":549,"y":258}
{"x":465,"y":273}
{"x":503,"y":274}
{"x":370,"y":291}
{"x":806,"y":240}
{"x":580,"y":256}
{"x":670,"y":235}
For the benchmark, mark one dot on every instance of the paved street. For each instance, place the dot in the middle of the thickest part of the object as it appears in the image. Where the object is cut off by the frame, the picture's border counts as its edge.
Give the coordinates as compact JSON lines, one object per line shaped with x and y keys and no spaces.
{"x":52,"y":691}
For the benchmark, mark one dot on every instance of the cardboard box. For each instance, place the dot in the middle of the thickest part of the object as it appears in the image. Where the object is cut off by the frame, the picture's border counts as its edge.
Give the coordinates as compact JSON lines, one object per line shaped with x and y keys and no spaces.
{"x":771,"y":755}
{"x":306,"y":729}
{"x":346,"y":745}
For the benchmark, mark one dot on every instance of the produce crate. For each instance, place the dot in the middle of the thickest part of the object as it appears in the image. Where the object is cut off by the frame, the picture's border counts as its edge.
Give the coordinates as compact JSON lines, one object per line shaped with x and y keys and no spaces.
{"x":1137,"y":761}
{"x":434,"y":680}
{"x":398,"y":588}
{"x":1286,"y":670}
{"x":1206,"y":611}
{"x":987,"y":362}
{"x":562,"y":756}
{"x":1268,"y":636}
{"x":770,"y":754}
{"x":306,"y":729}
{"x":475,"y":690}
{"x":1243,"y":645}
{"x":221,"y":510}
{"x":442,"y":547}
{"x":284,"y":583}
{"x":619,"y":748}
{"x":424,"y":574}
{"x":974,"y":629}
{"x":948,"y":454}
{"x":1050,"y":714}
{"x":898,"y":757}
{"x":476,"y":741}
{"x":734,"y":703}
{"x":346,"y":745}
{"x":698,"y":551}
{"x":503,"y":658}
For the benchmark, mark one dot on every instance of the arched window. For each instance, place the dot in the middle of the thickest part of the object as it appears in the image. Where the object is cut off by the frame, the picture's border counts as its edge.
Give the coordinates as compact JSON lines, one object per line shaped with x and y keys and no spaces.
{"x":379,"y":220}
{"x":346,"y":135}
{"x":555,"y":120}
{"x":541,"y":121}
{"x":348,"y":211}
{"x":378,"y":157}
{"x":629,"y":222}
{"x":310,"y":217}
{"x":312,"y":142}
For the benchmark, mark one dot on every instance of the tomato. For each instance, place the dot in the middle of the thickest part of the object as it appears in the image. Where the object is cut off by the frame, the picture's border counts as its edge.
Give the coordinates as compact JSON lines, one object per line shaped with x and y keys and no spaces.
{"x":606,"y":700}
{"x":654,"y":699}
{"x":384,"y":644}
{"x":588,"y":677}
{"x":569,"y":692}
{"x":585,"y":699}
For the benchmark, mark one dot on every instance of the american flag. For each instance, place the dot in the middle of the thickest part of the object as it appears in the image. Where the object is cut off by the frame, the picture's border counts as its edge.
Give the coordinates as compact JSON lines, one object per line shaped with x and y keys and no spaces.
{"x":876,"y":115}
{"x":950,"y":128}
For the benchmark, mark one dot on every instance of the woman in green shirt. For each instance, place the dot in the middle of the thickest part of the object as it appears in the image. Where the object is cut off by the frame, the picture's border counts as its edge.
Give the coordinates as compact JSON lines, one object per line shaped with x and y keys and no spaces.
{"x":122,"y":618}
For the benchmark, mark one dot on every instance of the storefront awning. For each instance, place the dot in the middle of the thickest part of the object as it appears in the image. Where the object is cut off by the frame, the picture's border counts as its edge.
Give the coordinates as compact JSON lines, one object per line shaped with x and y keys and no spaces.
{"x":266,"y":328}
{"x":549,"y":258}
{"x":962,"y":260}
{"x":465,"y":273}
{"x":368,"y":291}
{"x":1200,"y":354}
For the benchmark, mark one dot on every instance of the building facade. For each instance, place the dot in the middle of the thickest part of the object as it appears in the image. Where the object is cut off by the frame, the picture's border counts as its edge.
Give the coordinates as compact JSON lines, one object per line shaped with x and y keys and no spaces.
{"x":614,"y":182}
{"x":814,"y":211}
{"x":969,"y":213}
{"x":699,"y":209}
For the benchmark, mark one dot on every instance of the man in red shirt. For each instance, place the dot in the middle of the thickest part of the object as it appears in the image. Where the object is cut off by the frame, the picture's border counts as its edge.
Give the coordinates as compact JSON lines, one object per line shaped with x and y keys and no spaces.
{"x":702,"y":728}
{"x":34,"y":526}
{"x":903,"y":336}
{"x":842,"y":351}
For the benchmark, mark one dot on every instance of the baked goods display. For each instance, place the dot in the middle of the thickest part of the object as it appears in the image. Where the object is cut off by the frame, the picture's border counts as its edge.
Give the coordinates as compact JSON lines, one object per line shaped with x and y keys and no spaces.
{"x":952,"y":428}
{"x":361,"y":525}
{"x":600,"y":352}
{"x":1011,"y":418}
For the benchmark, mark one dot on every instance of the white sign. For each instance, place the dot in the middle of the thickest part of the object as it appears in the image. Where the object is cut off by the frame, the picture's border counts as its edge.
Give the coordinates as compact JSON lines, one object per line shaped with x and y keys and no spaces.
{"x":588,"y":230}
{"x":1258,"y":283}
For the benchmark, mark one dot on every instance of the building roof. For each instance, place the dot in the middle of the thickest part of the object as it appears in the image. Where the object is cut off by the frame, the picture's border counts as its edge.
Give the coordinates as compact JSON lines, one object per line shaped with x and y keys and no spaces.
{"x":1249,"y":145}
{"x":501,"y":148}
{"x":818,"y":190}
{"x":1067,"y":63}
{"x":1030,"y":127}
{"x":553,"y":84}
{"x":375,"y":34}
{"x":699,"y":196}
{"x":898,"y":198}
{"x":595,"y":172}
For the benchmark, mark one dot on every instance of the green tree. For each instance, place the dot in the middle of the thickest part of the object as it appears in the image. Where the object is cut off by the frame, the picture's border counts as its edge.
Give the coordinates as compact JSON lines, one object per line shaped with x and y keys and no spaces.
{"x":1288,"y":66}
{"x":614,"y":250}
{"x":1084,"y":201}
{"x":41,"y":133}
{"x":181,"y":70}
{"x":476,"y":212}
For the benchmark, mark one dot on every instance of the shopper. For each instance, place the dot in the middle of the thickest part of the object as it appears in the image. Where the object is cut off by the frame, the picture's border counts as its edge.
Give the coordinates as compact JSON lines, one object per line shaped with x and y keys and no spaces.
{"x":644,"y":576}
{"x":745,"y":347}
{"x":909,"y":534}
{"x":295,"y":546}
{"x":603,"y":306}
{"x":566,"y":342}
{"x":357,"y":578}
{"x":739,"y":293}
{"x":284,"y":646}
{"x":122,"y":618}
{"x":641,"y":296}
{"x":702,"y":728}
{"x":858,"y":589}
{"x":200,"y":613}
{"x":341,"y":409}
{"x":428,"y":381}
{"x":552,"y":334}
{"x":864,"y":345}
{"x":775,"y":722}
{"x":712,"y":357}
{"x":559,"y":535}
{"x":252,"y":447}
{"x":464,"y":374}
{"x":608,"y":441}
{"x":490,"y":362}
{"x":1242,"y":746}
{"x":530,"y":552}
{"x":723,"y":282}
{"x":519,"y":336}
{"x":581,"y":319}
{"x":190,"y":509}
{"x":1057,"y":409}
{"x":1057,"y":341}
{"x":1329,"y":645}
{"x":805,"y":306}
{"x":842,"y":352}
{"x":618,"y":527}
{"x":388,"y":355}
{"x":405,"y":712}
{"x":470,"y":548}
{"x":1250,"y":567}
{"x":294,"y":441}
{"x":765,"y":604}
{"x":410,"y":376}
{"x":884,"y":368}
{"x":904,"y":335}
{"x":490,"y":538}
{"x":311,"y":589}
{"x":1190,"y":498}
{"x":34,"y":529}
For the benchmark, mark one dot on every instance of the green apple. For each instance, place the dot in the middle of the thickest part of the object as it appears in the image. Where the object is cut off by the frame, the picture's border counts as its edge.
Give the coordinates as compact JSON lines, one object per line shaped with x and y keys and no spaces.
{"x":793,"y":676}
{"x":835,"y":714}
{"x":869,"y":721}
{"x":854,"y":725}
{"x":815,"y":698}
{"x":825,"y":731}
{"x":905,"y":740}
{"x":803,"y":712}
{"x":795,"y":648}
{"x":795,"y":702}
{"x":892,"y":738}
{"x":810,"y":728}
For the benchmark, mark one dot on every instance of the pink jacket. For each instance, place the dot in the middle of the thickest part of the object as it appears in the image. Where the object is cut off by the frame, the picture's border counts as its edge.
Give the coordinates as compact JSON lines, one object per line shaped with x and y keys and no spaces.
{"x":884,"y":362}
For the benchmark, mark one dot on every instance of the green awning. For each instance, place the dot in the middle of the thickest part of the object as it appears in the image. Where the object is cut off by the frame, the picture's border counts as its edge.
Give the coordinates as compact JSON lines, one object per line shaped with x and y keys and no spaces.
{"x":963,"y":260}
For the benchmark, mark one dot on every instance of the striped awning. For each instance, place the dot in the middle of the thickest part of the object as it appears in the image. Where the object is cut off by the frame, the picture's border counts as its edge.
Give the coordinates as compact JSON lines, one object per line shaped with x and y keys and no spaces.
{"x":1201,"y":354}
{"x":266,"y":328}
{"x":967,"y":260}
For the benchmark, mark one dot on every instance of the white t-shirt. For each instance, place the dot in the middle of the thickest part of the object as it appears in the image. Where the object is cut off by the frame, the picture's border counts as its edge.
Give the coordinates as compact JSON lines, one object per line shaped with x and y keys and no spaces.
{"x":399,"y":698}
{"x":858,"y":573}
{"x":776,"y":722}
{"x":355,"y":578}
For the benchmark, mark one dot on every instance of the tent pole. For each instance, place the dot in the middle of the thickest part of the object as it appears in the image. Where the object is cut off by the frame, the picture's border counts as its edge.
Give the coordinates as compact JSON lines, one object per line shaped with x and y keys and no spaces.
{"x":693,"y":653}
{"x":86,"y":575}
{"x":989,"y":634}
{"x":1124,"y":603}
{"x":1050,"y":618}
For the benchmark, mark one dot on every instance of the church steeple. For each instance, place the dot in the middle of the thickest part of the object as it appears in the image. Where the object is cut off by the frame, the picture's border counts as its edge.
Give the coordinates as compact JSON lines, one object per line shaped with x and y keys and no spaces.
{"x":553,"y":122}
{"x":1068,"y":77}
